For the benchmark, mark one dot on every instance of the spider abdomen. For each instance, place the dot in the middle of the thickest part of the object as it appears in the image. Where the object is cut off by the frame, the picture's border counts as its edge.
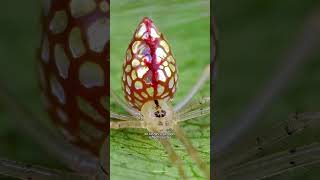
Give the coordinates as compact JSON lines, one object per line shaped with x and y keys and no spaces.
{"x":149,"y":70}
{"x":74,"y":74}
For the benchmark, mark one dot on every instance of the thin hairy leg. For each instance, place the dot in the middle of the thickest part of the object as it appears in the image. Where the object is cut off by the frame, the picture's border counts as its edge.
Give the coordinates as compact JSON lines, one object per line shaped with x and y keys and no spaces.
{"x":25,"y":120}
{"x":201,"y":81}
{"x":297,"y":123}
{"x":192,"y":151}
{"x":276,"y":163}
{"x":123,"y":104}
{"x":126,"y":124}
{"x":194,"y":114}
{"x":104,"y":158}
{"x":27,"y":172}
{"x":174,"y":158}
{"x":305,"y":45}
{"x":121,"y":117}
{"x":195,"y":104}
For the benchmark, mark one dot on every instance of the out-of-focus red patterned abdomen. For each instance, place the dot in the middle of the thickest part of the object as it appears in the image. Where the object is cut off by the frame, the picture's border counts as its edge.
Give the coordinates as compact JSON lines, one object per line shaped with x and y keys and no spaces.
{"x":74,"y":63}
{"x":149,"y":70}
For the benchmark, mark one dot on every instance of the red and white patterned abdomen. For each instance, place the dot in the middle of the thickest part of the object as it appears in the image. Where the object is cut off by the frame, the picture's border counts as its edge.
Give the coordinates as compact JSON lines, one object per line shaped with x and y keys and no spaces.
{"x":74,"y":69}
{"x":149,"y":70}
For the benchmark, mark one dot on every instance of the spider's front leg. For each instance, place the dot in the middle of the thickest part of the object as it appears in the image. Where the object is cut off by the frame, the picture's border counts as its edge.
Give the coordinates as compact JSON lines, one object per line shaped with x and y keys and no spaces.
{"x":195,"y":104}
{"x":122,"y":117}
{"x":280,"y":138}
{"x":27,"y":171}
{"x":201,"y":81}
{"x":123,"y":104}
{"x":188,"y":109}
{"x":121,"y":121}
{"x":126,"y":124}
{"x":104,"y":172}
{"x":194,"y":110}
{"x":275,"y":163}
{"x":194,"y":114}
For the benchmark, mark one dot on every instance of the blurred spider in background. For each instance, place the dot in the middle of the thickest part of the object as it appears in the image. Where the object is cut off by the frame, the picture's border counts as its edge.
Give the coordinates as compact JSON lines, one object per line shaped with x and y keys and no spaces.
{"x":240,"y":151}
{"x":74,"y":80}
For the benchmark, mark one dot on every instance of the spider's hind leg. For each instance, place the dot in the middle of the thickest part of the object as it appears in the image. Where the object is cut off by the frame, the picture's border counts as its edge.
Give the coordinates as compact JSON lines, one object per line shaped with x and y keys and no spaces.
{"x":174,"y":158}
{"x":192,"y":151}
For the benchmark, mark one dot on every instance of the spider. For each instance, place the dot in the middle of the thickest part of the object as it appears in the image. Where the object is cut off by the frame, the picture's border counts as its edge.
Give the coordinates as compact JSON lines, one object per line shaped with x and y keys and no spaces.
{"x":149,"y":82}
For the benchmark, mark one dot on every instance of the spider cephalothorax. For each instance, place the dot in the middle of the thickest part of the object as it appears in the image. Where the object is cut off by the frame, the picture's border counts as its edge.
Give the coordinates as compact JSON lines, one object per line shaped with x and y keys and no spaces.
{"x":158,"y":115}
{"x":149,"y":69}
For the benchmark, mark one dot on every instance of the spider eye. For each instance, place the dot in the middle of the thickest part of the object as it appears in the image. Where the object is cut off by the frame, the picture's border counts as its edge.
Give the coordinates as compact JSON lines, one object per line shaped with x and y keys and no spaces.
{"x":149,"y":69}
{"x":160,"y":113}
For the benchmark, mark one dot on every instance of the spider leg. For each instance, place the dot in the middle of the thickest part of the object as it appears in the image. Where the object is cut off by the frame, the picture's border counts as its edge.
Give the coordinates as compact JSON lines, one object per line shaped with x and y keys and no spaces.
{"x":276,"y":163}
{"x":105,"y":160}
{"x":201,"y":81}
{"x":121,"y":117}
{"x":174,"y":158}
{"x":126,"y":124}
{"x":192,"y":151}
{"x":194,"y":114}
{"x":26,"y":121}
{"x":123,"y":104}
{"x":279,"y":138}
{"x":195,"y":104}
{"x":303,"y":47}
{"x":27,"y":172}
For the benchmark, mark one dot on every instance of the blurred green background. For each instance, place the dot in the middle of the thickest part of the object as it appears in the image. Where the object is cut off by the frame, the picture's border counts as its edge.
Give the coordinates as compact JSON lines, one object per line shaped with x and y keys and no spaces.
{"x":19,"y":39}
{"x":253,"y":38}
{"x":185,"y":24}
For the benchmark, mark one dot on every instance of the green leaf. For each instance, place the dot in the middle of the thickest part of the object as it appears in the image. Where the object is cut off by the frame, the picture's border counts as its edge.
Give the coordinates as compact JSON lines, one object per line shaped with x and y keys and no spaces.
{"x":186,"y":26}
